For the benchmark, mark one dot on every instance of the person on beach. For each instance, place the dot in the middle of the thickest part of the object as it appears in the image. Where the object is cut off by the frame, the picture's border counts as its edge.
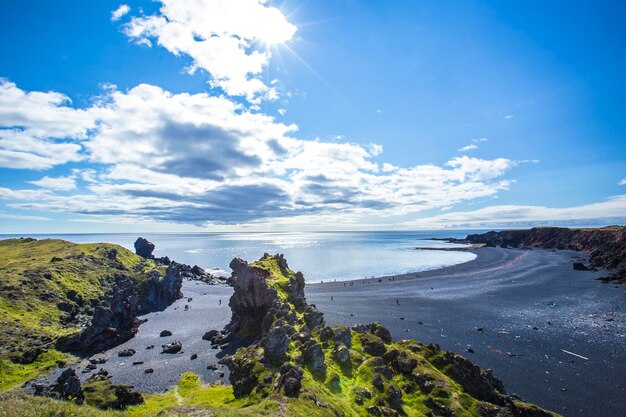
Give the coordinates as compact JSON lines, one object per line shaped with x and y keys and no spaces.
{"x":397,"y":301}
{"x":220,"y":301}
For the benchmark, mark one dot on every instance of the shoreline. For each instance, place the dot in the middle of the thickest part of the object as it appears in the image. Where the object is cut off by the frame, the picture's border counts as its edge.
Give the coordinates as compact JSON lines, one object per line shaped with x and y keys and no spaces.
{"x":522,"y":312}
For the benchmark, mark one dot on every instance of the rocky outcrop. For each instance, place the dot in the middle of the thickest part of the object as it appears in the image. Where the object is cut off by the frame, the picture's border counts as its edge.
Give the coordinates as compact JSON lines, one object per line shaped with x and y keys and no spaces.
{"x":114,"y":320}
{"x":287,"y":349}
{"x":606,"y":246}
{"x":162,"y":290}
{"x":195,"y":273}
{"x":144,"y":248}
{"x":252,"y":298}
{"x":67,"y":387}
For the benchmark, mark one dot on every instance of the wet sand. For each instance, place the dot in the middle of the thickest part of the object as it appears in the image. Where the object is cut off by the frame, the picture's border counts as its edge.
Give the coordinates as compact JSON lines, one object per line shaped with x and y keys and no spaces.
{"x":510,"y":294}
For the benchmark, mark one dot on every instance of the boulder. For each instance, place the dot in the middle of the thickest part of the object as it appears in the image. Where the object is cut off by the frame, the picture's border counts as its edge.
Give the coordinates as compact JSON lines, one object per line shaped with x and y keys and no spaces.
{"x":144,"y":248}
{"x":126,"y":353}
{"x":290,"y":380}
{"x":165,"y":333}
{"x":314,"y":356}
{"x":276,"y":344}
{"x":342,"y":355}
{"x":173,"y":347}
{"x":67,"y":387}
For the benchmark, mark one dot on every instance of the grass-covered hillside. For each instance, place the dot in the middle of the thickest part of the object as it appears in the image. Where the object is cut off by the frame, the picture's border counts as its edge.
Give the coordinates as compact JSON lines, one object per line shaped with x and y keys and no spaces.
{"x":50,"y":289}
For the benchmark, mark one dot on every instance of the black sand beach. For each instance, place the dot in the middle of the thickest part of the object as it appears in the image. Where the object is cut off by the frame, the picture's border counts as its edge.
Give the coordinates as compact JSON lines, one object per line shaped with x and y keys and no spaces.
{"x":520,"y":312}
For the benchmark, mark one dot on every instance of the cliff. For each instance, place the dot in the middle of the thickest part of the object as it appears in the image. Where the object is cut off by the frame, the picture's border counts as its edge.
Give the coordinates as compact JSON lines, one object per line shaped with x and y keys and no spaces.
{"x":57,"y":296}
{"x":605,"y":246}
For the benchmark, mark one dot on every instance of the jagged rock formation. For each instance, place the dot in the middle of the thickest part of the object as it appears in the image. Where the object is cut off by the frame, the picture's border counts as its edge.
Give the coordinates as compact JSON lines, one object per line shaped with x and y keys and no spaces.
{"x":97,"y":391}
{"x":144,"y":248}
{"x":289,"y":351}
{"x":66,"y":387}
{"x":606,"y":246}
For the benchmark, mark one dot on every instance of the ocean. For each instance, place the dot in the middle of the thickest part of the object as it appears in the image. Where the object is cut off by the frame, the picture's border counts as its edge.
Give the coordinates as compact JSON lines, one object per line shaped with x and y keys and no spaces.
{"x":321,"y":256}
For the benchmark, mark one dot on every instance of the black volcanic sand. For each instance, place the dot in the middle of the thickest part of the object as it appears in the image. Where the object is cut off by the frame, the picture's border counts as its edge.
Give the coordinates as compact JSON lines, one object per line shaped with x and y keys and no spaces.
{"x":187,"y":326}
{"x":513,"y":295}
{"x":510,"y":294}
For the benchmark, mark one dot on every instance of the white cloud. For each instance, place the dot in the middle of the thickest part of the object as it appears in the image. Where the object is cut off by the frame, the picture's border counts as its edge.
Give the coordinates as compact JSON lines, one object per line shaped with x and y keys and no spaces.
{"x":622,"y":182}
{"x":12,"y":216}
{"x":222,"y":37}
{"x":39,"y":130}
{"x":509,"y":116}
{"x":56,"y":183}
{"x":375,"y":149}
{"x":479,"y":140}
{"x":608,"y":211}
{"x":200,"y":159}
{"x":120,"y":12}
{"x":467,"y":148}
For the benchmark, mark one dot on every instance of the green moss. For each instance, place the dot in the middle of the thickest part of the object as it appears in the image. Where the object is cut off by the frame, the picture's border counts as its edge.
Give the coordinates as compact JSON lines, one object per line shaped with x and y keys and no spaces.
{"x":278,"y":277}
{"x":12,"y":374}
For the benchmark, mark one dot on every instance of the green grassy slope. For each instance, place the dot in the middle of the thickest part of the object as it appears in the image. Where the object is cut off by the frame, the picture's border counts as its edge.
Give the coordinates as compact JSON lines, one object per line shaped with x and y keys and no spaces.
{"x":48,"y":288}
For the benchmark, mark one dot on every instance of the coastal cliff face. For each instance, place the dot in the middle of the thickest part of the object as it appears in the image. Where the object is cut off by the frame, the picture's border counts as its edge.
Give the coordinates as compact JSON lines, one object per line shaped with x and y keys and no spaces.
{"x":606,"y":246}
{"x":289,"y":351}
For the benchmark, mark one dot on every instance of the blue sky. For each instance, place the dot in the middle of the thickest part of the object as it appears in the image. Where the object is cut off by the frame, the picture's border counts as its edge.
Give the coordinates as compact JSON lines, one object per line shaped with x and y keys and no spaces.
{"x":329,"y":115}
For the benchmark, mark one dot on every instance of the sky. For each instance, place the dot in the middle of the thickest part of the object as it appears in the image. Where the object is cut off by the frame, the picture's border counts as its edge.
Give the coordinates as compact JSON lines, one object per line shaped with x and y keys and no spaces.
{"x":255,"y":115}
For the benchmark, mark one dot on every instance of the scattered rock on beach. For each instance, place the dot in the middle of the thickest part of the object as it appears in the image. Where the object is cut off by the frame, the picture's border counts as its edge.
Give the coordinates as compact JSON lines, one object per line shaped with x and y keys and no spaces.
{"x":173,"y":347}
{"x":126,"y":353}
{"x":194,"y":356}
{"x":148,"y":371}
{"x":579,"y":266}
{"x":165,"y":333}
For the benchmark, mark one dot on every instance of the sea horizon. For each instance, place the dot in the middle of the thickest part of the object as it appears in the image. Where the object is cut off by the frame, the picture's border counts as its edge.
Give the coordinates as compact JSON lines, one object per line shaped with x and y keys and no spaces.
{"x":321,"y":256}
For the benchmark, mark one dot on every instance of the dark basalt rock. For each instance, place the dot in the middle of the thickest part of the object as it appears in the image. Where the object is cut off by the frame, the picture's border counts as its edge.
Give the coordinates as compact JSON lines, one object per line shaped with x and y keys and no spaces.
{"x":211,"y":334}
{"x":252,"y":297}
{"x":114,"y":320}
{"x":161,"y":291}
{"x":372,"y":344}
{"x":313,"y":317}
{"x":126,"y":352}
{"x":290,"y":380}
{"x":479,"y":383}
{"x":276,"y":344}
{"x":144,"y":248}
{"x":380,"y":331}
{"x":165,"y":333}
{"x":314,"y":356}
{"x":116,"y":397}
{"x":579,"y":266}
{"x":173,"y":347}
{"x":67,"y":387}
{"x":342,"y":355}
